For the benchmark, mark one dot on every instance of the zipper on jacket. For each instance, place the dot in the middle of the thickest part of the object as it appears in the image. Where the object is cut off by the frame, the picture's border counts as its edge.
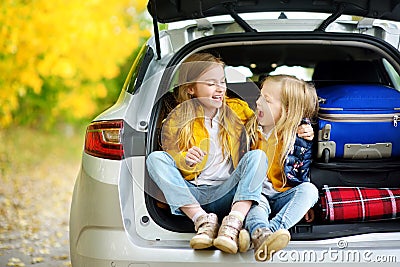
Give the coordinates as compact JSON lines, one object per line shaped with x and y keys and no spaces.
{"x":361,"y":118}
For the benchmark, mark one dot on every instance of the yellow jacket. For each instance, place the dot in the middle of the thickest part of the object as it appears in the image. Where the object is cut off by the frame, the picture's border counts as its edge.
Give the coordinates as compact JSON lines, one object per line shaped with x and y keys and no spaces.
{"x":273,"y":150}
{"x":275,"y":169}
{"x":237,"y":140}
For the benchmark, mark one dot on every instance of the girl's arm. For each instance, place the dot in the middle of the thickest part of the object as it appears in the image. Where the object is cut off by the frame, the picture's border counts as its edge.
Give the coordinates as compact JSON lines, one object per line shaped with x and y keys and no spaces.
{"x":299,"y":159}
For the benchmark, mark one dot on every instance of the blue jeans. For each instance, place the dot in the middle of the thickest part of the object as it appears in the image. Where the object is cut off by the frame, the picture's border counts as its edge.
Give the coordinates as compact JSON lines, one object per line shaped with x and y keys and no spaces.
{"x":288,"y":207}
{"x":245,"y":183}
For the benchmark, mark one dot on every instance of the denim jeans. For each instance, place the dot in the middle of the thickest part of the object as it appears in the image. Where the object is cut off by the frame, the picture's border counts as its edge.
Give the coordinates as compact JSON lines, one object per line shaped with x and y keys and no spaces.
{"x":245,"y":183}
{"x":287,"y":208}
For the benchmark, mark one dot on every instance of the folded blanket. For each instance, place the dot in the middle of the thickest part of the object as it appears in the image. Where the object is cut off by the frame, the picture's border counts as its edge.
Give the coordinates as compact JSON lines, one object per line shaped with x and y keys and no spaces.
{"x":351,"y":204}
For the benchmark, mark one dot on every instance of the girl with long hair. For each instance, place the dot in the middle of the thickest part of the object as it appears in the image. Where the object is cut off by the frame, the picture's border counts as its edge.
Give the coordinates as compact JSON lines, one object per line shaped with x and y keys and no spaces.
{"x":287,"y":196}
{"x":206,"y":170}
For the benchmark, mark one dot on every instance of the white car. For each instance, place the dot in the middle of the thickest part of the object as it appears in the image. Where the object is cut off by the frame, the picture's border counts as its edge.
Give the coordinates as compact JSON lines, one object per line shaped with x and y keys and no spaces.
{"x":117,"y":218}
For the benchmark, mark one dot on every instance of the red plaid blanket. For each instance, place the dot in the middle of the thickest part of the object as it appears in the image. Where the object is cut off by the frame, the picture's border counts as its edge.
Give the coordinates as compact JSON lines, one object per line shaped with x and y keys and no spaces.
{"x":344,"y":204}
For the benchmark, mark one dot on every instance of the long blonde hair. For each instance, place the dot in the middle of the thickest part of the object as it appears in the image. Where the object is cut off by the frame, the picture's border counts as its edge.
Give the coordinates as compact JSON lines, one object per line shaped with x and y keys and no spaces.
{"x":299,"y":100}
{"x":189,"y":72}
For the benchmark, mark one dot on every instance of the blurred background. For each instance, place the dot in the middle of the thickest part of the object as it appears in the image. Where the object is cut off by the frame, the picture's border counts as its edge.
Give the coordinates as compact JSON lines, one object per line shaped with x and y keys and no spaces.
{"x":62,"y":62}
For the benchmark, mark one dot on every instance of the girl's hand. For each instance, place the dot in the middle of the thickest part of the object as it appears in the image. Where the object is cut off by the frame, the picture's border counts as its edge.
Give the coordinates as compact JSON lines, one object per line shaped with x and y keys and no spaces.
{"x":305,"y":131}
{"x":194,"y":155}
{"x":310,"y":216}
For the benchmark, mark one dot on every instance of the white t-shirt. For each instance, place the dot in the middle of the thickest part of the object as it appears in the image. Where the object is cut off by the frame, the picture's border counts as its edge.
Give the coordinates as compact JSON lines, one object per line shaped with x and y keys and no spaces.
{"x":218,"y":168}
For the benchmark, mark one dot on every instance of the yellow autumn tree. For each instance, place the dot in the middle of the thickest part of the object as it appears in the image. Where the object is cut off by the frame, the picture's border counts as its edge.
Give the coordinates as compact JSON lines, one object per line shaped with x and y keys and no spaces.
{"x":55,"y":55}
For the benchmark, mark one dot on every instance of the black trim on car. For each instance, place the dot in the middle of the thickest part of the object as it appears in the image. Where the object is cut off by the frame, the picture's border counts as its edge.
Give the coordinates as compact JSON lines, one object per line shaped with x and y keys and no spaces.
{"x":338,"y":12}
{"x":245,"y":26}
{"x":302,"y":231}
{"x":282,"y":36}
{"x":139,"y":69}
{"x":179,"y":10}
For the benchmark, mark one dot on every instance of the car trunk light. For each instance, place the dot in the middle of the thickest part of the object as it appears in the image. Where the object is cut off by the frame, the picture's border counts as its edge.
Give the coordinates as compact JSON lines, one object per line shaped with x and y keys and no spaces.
{"x":104,"y":139}
{"x":112,"y":136}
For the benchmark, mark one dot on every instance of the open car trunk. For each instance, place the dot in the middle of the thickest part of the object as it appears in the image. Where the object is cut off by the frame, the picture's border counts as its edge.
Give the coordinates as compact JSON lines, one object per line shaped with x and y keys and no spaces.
{"x":166,"y":11}
{"x":351,"y":60}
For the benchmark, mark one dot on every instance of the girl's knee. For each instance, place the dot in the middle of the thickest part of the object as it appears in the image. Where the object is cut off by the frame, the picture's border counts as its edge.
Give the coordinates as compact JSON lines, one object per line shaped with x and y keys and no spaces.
{"x":310,"y":190}
{"x":154,"y":157}
{"x":257,"y":154}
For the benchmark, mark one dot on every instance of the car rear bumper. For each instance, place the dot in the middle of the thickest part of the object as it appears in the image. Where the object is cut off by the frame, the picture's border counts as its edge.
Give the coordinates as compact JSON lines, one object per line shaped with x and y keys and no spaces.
{"x":98,"y":238}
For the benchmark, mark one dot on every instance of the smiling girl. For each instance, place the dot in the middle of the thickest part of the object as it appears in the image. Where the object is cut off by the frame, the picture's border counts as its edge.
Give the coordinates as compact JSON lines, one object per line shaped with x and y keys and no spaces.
{"x":206,"y":170}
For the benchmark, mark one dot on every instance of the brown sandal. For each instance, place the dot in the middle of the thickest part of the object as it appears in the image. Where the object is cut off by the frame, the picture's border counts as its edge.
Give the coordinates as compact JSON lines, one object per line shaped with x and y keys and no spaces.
{"x":207,"y":228}
{"x":228,"y":233}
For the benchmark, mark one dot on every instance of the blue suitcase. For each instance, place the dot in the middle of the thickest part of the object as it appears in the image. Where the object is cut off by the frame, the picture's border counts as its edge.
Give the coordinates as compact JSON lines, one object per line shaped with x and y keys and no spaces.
{"x":358,"y":122}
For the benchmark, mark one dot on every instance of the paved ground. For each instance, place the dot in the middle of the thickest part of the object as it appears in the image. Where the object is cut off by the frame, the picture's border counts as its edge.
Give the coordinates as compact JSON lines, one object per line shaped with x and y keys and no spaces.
{"x":34,"y":231}
{"x":35,"y":195}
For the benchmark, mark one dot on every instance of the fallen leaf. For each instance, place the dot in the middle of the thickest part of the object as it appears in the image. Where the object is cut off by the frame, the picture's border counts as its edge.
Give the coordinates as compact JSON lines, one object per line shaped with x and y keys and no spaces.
{"x":15,"y":262}
{"x":37,"y":260}
{"x":61,"y":257}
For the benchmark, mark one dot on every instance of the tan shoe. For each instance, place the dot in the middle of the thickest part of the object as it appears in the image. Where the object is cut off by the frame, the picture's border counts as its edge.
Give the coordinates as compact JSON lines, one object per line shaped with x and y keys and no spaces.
{"x":266,"y":243}
{"x":244,"y":240}
{"x":228,"y":233}
{"x":207,"y":227}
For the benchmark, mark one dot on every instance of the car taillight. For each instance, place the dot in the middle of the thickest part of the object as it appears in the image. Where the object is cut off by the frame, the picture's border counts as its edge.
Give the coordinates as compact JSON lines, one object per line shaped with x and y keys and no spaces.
{"x":104,"y":139}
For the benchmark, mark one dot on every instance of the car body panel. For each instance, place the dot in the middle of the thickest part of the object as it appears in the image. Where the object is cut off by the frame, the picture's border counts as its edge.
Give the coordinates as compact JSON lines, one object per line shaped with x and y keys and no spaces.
{"x":101,"y":236}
